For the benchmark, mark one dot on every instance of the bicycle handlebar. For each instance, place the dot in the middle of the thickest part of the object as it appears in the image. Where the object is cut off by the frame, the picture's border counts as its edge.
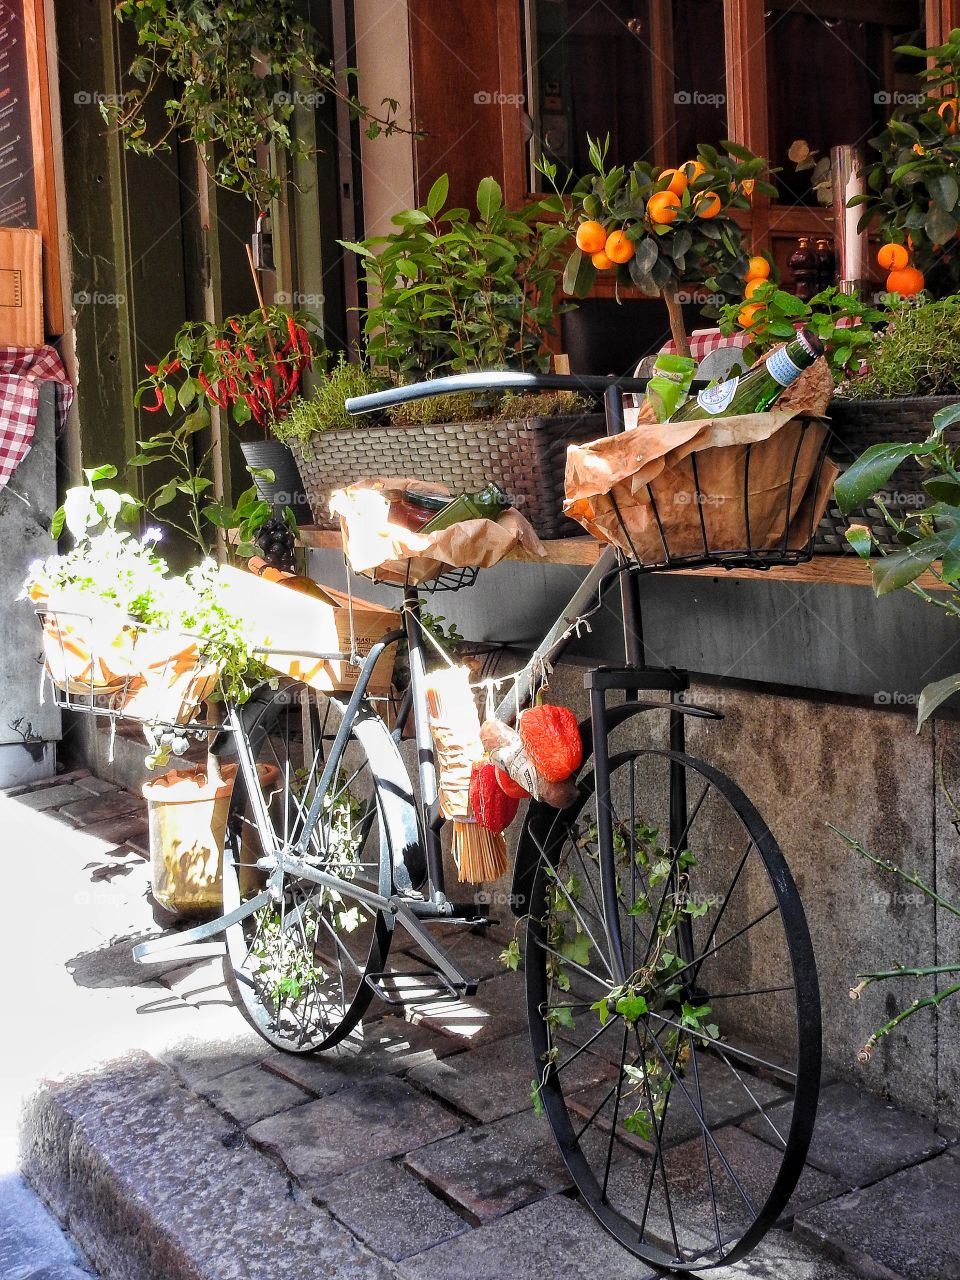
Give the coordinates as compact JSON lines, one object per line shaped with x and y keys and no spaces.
{"x":502,"y":380}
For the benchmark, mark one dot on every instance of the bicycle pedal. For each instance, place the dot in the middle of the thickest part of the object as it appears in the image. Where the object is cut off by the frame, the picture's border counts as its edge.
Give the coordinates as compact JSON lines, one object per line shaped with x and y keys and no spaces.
{"x":417,"y":986}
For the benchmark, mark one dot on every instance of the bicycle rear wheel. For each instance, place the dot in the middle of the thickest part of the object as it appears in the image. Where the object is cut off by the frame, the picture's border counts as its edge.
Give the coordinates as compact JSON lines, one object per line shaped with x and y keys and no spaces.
{"x":681,"y":957}
{"x":298,"y":966}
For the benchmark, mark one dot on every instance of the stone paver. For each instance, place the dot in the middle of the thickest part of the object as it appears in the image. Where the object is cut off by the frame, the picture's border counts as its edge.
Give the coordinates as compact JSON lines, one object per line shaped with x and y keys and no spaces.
{"x":250,"y":1094}
{"x":499,"y":1167}
{"x":31,"y":1241}
{"x":95,"y":809}
{"x":554,"y":1239}
{"x":859,"y":1138}
{"x":198,"y":1059}
{"x":386,"y":1047}
{"x":497,"y":1010}
{"x":370,"y":1121}
{"x":474,"y":950}
{"x":391,"y":1211}
{"x":781,"y":1256}
{"x":200,"y":984}
{"x":53,"y":797}
{"x":902,"y":1227}
{"x":495,"y":1080}
{"x":96,"y":786}
{"x":725,"y":1098}
{"x":129,"y":829}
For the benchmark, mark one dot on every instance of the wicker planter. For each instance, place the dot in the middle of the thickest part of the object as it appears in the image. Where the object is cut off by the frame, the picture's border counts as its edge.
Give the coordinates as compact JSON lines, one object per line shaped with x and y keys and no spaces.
{"x":526,"y":458}
{"x":287,"y":488}
{"x":858,"y":424}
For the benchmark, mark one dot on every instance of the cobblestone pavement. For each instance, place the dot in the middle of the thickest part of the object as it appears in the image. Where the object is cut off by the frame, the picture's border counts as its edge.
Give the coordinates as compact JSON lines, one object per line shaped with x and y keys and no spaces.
{"x":173,"y":1142}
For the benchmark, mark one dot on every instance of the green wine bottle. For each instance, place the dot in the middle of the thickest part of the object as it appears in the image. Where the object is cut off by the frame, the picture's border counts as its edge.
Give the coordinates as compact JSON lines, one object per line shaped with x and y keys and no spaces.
{"x":759,"y":388}
{"x":489,"y":504}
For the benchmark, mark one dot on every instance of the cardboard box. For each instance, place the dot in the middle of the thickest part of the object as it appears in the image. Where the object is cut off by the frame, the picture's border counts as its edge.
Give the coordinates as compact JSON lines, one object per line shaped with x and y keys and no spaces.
{"x":21,"y":288}
{"x":290,"y":623}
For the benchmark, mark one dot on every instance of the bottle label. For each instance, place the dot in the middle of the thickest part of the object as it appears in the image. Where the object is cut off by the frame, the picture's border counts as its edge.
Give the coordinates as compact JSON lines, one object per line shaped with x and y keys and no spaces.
{"x":715,"y":399}
{"x":781,"y":367}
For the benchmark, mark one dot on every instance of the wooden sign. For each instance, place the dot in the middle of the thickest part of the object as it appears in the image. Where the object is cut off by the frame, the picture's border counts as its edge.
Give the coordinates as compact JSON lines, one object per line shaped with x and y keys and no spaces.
{"x":18,"y":194}
{"x":21,"y":288}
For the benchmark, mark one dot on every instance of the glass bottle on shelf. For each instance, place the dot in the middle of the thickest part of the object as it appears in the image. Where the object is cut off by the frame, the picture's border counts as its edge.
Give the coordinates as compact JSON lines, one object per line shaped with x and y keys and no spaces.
{"x":759,"y":388}
{"x":803,"y":264}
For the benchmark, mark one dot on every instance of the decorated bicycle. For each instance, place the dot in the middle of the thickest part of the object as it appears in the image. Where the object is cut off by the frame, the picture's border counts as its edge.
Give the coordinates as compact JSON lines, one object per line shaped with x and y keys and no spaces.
{"x":665,"y":941}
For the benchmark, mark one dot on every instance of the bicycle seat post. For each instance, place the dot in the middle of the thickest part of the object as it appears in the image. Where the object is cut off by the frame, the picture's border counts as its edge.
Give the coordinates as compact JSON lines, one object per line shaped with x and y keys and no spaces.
{"x":633,"y":646}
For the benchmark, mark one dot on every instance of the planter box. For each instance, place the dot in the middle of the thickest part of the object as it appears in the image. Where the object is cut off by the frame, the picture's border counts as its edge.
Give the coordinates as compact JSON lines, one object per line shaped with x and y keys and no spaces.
{"x":525,"y":458}
{"x":858,"y":424}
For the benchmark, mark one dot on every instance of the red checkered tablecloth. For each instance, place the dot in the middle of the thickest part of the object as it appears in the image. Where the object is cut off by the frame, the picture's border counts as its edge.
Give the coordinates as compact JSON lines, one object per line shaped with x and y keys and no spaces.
{"x":703,"y":341}
{"x":22,"y":369}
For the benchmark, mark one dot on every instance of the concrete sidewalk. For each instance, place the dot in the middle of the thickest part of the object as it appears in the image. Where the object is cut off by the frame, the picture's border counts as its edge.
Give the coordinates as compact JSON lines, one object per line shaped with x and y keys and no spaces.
{"x":174,"y":1142}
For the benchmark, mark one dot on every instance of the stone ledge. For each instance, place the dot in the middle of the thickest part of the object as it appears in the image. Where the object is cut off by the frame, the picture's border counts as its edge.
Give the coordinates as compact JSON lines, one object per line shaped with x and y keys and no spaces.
{"x":97,"y":1149}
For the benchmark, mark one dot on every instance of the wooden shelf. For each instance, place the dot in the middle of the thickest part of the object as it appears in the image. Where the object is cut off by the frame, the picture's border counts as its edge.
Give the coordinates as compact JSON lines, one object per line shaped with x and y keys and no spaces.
{"x":844,"y":571}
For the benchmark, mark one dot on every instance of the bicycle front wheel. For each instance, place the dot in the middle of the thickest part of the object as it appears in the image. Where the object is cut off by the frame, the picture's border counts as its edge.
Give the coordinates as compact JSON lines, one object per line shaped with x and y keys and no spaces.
{"x":298,"y":966}
{"x":672,"y":944}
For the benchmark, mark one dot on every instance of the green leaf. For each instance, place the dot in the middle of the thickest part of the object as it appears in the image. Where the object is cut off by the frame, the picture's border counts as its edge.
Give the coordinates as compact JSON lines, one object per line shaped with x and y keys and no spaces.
{"x":166,"y":493}
{"x":170,"y":398}
{"x":187,"y":393}
{"x":489,"y":198}
{"x":579,"y":274}
{"x":106,"y":471}
{"x":940,"y":227}
{"x":199,"y":420}
{"x":577,"y":949}
{"x":266,"y":474}
{"x":437,"y":196}
{"x":632,"y":1007}
{"x":944,"y":191}
{"x":57,"y":523}
{"x":411,"y":218}
{"x":946,"y":417}
{"x":871,"y":471}
{"x":241,"y":412}
{"x":934,"y":696}
{"x":900,"y":568}
{"x":859,"y":537}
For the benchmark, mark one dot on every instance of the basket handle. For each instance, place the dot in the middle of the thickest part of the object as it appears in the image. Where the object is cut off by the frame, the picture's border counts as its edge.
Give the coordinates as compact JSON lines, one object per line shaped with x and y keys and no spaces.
{"x":500,"y":380}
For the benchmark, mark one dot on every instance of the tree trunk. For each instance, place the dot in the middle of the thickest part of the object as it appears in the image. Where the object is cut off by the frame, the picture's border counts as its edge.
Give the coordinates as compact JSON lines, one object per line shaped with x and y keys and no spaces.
{"x":677,"y":330}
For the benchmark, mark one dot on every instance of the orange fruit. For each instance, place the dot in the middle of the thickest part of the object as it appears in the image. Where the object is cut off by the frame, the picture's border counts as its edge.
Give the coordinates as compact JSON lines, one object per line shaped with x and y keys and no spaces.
{"x":948,"y":112}
{"x":758,"y":268}
{"x":892,"y":256}
{"x":918,"y":149}
{"x":618,"y":247}
{"x":693,"y":169}
{"x":748,"y":314}
{"x":601,"y":261}
{"x":591,"y":236}
{"x":706,"y":204}
{"x":906,"y":281}
{"x":663,"y":206}
{"x":677,"y":183}
{"x":751,"y":287}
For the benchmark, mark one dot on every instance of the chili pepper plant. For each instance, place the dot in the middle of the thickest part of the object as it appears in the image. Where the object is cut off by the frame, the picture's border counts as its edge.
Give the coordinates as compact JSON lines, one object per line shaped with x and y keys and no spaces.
{"x":252,"y":366}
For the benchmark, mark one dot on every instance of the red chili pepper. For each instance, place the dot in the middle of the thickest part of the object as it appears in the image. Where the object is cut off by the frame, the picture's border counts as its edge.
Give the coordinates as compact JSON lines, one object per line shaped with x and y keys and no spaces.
{"x":254,"y":408}
{"x":292,"y":329}
{"x":210,"y":391}
{"x":173,"y":367}
{"x":154,"y":408}
{"x":151,"y":368}
{"x":304,"y":341}
{"x":235,"y":326}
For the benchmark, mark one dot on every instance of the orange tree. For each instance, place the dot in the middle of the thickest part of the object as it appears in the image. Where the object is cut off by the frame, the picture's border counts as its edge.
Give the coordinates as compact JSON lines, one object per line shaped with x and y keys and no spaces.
{"x":663,"y":230}
{"x":913,"y":187}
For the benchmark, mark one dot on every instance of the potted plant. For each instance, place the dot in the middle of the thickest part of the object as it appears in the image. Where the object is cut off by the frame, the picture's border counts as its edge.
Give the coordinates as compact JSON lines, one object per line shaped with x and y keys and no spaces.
{"x":251,"y":368}
{"x":666,"y":229}
{"x":454,"y":291}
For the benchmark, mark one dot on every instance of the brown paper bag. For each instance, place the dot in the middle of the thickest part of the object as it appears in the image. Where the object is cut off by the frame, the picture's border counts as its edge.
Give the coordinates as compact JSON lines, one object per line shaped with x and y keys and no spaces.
{"x":662,"y":490}
{"x":378,"y":548}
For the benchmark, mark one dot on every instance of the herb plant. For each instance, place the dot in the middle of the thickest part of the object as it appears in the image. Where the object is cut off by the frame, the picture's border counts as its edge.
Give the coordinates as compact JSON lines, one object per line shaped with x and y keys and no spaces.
{"x":453,"y":292}
{"x":846,"y":325}
{"x":918,"y":354}
{"x":324,"y":410}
